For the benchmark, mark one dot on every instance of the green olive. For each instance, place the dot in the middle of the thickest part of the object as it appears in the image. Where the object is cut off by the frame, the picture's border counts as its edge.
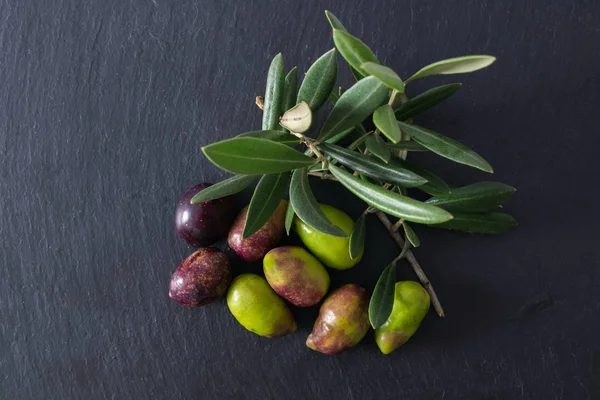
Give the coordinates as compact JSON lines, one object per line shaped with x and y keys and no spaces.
{"x":411,"y":303}
{"x":258,"y":308}
{"x":333,"y":251}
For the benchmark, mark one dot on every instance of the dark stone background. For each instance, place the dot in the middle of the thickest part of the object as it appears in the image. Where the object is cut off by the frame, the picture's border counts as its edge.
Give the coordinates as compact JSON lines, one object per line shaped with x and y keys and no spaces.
{"x":104,"y":106}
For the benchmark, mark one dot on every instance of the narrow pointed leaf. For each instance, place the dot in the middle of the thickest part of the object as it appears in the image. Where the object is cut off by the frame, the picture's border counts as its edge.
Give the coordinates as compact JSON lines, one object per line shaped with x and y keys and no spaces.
{"x":434,"y":186}
{"x":481,"y":196}
{"x":425,"y":101}
{"x":411,"y":236}
{"x":267,"y":195}
{"x":253,"y":156}
{"x":458,"y":65}
{"x":273,"y":101}
{"x":227,"y":187}
{"x":357,"y":238}
{"x":319,"y":81}
{"x":290,"y":90}
{"x":275,"y":136}
{"x":385,"y":75}
{"x":298,"y":118}
{"x":491,"y":222}
{"x":340,"y":136}
{"x":354,"y":106}
{"x":373,"y":167}
{"x":378,"y":148}
{"x":390,"y":202}
{"x":306,"y":207}
{"x":289,"y":218}
{"x":382,"y":299}
{"x":408,"y":145}
{"x":445,"y":147}
{"x":354,"y":51}
{"x":385,"y":120}
{"x":334,"y":21}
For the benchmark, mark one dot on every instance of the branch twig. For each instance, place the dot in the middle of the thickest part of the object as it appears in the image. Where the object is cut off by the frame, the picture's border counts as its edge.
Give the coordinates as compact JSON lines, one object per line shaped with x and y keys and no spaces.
{"x":414,"y":264}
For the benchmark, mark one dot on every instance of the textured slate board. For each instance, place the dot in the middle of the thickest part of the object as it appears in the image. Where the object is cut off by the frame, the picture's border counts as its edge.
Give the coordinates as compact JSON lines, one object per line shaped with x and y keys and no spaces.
{"x":103,"y":109}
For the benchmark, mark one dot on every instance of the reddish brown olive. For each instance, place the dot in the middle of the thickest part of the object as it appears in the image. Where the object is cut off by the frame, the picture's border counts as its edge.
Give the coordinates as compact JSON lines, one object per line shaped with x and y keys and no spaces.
{"x":204,"y":223}
{"x":201,"y":278}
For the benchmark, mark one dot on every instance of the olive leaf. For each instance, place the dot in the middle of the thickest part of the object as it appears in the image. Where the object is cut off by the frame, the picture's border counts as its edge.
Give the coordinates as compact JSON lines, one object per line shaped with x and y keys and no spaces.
{"x":446,"y":147}
{"x":385,"y":75}
{"x":289,"y":218}
{"x":252,"y":156}
{"x":354,"y":51}
{"x":410,"y":235}
{"x":425,"y":101}
{"x":378,"y":148}
{"x":290,"y":88}
{"x":434,"y":186}
{"x":357,"y":238}
{"x":390,"y":202}
{"x":273,"y":100}
{"x":298,"y":118}
{"x":306,"y":207}
{"x":481,"y":196}
{"x":373,"y":167}
{"x":458,"y":65}
{"x":319,"y":81}
{"x":408,"y":145}
{"x":491,"y":222}
{"x":354,"y":106}
{"x":385,"y":120}
{"x":227,"y":187}
{"x":267,"y":195}
{"x":275,"y":136}
{"x":382,"y":299}
{"x":336,"y":24}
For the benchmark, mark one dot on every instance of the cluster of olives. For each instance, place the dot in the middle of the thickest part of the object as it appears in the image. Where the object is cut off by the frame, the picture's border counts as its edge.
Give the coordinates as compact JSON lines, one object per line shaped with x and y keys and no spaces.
{"x":290,"y":273}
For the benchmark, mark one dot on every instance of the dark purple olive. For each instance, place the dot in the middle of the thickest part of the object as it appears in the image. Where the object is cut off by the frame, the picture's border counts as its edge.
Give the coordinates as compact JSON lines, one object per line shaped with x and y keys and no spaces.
{"x":203,"y":224}
{"x":201,"y":278}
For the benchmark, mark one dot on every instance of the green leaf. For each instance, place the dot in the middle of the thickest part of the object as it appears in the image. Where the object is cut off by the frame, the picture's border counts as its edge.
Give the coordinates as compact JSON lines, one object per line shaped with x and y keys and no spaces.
{"x":390,"y":202}
{"x":382,"y":299}
{"x":445,"y":147}
{"x":273,"y":101}
{"x":373,"y":167}
{"x":492,"y":222}
{"x":319,"y":81}
{"x":253,"y":156}
{"x":229,"y":186}
{"x":337,"y":138}
{"x":357,"y":238}
{"x":385,"y":75}
{"x":274,"y":136}
{"x":378,"y":148}
{"x":289,"y":218}
{"x":434,"y":186}
{"x":290,"y":90}
{"x":334,"y":21}
{"x":354,"y":106}
{"x":411,"y":236}
{"x":409,"y":145}
{"x":425,"y":101}
{"x":458,"y":65}
{"x":481,"y":196}
{"x":266,"y":198}
{"x":306,"y":207}
{"x":353,"y":50}
{"x":385,"y":120}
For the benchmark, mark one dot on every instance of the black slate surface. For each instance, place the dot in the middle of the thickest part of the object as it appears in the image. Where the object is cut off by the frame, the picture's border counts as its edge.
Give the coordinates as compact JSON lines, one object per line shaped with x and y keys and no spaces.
{"x":104,"y":106}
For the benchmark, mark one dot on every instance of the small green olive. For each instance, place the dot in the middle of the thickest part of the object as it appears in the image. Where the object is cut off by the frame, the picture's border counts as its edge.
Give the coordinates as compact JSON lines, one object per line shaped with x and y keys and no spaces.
{"x":333,"y":251}
{"x":411,"y":303}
